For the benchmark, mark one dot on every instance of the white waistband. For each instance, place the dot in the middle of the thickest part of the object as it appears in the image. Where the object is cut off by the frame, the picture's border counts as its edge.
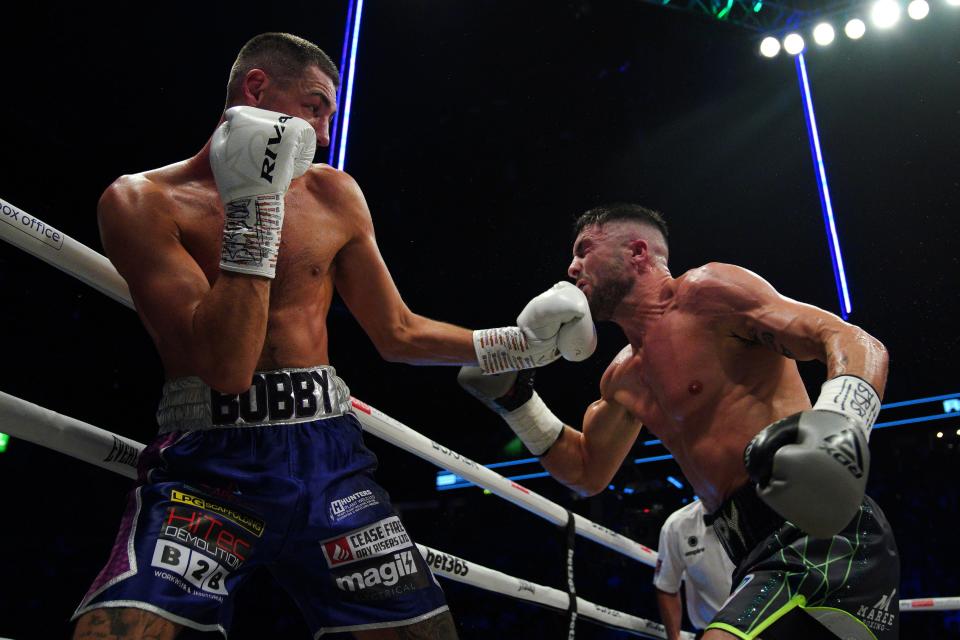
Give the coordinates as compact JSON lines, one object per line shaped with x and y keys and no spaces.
{"x":284,"y":396}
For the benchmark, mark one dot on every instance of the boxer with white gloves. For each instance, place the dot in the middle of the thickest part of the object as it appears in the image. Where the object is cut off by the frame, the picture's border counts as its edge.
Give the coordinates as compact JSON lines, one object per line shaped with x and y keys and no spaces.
{"x":711,"y":370}
{"x":254,"y":155}
{"x":253,"y":419}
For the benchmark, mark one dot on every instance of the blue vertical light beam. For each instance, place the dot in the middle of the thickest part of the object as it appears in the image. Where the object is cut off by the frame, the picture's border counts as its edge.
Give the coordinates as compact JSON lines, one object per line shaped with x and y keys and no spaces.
{"x":836,"y":257}
{"x":342,"y":145}
{"x":347,"y":32}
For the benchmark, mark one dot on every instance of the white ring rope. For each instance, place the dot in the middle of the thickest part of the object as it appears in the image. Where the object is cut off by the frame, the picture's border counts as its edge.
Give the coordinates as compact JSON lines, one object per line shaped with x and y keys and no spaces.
{"x":77,"y":259}
{"x":400,"y":435}
{"x":86,"y":442}
{"x":58,"y":249}
{"x":931,"y":604}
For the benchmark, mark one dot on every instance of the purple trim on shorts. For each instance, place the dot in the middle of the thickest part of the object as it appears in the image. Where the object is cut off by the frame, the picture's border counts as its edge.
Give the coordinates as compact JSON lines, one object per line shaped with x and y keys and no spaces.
{"x":122,"y":560}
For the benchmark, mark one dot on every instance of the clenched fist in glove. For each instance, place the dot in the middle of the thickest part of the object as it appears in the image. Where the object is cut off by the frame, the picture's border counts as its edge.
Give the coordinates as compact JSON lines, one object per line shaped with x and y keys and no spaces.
{"x":812,"y":467}
{"x":255,"y":154}
{"x":557,"y":322}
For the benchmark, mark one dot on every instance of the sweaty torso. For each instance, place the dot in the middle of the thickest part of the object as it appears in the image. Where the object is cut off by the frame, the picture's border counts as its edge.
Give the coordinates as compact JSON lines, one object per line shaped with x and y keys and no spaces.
{"x":300,"y":294}
{"x":704,"y":392}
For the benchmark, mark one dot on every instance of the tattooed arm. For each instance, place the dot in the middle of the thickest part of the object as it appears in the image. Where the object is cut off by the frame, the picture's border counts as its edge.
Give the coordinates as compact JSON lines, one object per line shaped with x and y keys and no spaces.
{"x":749,"y":308}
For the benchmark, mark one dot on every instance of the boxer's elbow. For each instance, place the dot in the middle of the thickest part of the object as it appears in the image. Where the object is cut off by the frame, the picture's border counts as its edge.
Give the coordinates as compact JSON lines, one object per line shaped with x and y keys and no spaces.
{"x":591,"y":486}
{"x":396,"y":347}
{"x":574,"y":472}
{"x":408,"y":340}
{"x":227,"y":379}
{"x":878,"y":363}
{"x":589,"y":490}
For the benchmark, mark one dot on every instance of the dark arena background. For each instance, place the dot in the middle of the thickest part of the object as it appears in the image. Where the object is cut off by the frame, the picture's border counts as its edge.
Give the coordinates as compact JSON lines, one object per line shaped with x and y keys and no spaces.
{"x":478,"y":132}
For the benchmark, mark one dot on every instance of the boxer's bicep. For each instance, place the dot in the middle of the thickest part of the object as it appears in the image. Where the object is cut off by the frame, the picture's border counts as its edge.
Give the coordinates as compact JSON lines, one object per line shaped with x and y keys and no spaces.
{"x":587,"y":460}
{"x":364,"y":282}
{"x":609,"y":431}
{"x":792,"y":329}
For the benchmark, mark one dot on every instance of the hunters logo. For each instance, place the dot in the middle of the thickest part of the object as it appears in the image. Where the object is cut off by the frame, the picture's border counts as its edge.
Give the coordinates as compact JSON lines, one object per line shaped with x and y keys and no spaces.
{"x":252,"y":525}
{"x":354,"y":503}
{"x":378,"y":539}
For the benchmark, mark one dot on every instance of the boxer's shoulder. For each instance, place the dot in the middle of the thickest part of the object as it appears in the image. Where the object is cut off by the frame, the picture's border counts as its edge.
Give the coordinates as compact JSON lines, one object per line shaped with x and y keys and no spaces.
{"x":612,"y":377}
{"x":136,"y":195}
{"x":717,"y":288}
{"x":329,"y":182}
{"x":338,"y":191}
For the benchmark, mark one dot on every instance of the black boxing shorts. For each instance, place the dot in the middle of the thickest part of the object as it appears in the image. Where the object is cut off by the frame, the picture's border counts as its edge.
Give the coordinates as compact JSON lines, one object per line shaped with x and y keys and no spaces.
{"x":790,"y":585}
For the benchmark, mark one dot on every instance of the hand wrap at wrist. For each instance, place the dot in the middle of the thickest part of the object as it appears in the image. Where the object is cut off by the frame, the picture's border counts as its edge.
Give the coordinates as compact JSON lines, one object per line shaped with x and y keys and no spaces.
{"x":507,"y":349}
{"x":852,"y":397}
{"x":535,"y":425}
{"x":251,"y":234}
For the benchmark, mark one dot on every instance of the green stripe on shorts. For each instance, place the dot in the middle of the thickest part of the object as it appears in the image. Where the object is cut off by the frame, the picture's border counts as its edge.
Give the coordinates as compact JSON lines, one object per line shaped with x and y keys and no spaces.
{"x":754,"y":632}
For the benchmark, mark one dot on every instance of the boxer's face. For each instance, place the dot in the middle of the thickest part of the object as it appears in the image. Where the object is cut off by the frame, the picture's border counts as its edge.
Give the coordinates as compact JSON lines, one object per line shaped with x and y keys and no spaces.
{"x":600,"y":268}
{"x":312,"y":96}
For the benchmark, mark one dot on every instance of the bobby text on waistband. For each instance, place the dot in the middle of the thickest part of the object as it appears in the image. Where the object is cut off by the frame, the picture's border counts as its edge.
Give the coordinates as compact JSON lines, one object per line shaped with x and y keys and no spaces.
{"x":284,"y":396}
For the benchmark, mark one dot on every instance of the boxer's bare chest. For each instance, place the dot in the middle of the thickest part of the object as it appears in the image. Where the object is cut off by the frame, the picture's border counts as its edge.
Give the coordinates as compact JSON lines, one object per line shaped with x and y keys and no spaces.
{"x":310,"y":240}
{"x":677,"y":379}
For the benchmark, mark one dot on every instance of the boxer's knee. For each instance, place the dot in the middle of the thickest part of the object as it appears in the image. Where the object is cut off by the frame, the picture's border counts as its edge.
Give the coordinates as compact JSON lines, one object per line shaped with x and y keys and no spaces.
{"x":124,"y":623}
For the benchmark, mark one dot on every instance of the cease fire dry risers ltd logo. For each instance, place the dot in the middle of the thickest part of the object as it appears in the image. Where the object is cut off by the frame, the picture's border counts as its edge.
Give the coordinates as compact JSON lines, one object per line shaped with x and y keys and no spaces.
{"x":376,"y":562}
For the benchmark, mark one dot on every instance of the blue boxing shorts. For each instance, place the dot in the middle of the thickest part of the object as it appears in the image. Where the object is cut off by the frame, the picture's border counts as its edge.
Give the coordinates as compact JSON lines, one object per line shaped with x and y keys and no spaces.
{"x":278,"y":476}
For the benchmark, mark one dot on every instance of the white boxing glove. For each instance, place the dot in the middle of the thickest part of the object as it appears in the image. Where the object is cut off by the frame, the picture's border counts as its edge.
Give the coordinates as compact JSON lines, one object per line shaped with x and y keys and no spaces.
{"x":557,"y":322}
{"x":255,"y":154}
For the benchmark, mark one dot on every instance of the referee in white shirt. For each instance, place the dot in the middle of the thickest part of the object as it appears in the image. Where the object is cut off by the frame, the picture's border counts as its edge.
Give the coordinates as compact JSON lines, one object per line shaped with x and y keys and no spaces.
{"x":690,"y":552}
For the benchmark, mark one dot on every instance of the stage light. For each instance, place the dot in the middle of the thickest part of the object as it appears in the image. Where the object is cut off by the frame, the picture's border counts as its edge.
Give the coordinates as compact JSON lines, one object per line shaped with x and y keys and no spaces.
{"x":793,"y":44}
{"x":885,"y":13}
{"x":955,"y":3}
{"x":823,"y":33}
{"x":855,"y":29}
{"x":770,"y":46}
{"x":939,"y":434}
{"x":918,"y":9}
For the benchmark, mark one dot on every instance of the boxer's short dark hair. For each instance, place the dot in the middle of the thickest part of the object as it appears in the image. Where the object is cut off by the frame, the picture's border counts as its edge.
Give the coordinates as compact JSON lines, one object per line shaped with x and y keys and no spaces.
{"x":620,"y":211}
{"x":283,"y":56}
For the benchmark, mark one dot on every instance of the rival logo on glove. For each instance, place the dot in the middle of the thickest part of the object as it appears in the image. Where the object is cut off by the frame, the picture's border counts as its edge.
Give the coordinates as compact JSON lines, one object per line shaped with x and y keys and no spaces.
{"x":266,"y":170}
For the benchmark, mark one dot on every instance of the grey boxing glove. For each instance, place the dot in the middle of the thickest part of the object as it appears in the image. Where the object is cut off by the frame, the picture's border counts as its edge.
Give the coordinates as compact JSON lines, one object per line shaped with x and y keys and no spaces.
{"x":812,"y":469}
{"x":511,"y":395}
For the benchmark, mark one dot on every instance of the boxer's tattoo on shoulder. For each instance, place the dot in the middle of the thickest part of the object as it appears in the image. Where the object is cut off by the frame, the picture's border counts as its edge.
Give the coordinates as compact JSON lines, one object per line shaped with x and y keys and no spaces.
{"x":770,"y":341}
{"x":766,"y":339}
